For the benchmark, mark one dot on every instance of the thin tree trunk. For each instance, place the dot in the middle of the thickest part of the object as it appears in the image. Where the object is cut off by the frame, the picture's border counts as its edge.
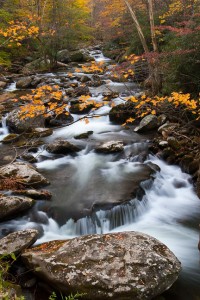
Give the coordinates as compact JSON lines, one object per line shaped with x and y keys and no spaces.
{"x":154,"y":79}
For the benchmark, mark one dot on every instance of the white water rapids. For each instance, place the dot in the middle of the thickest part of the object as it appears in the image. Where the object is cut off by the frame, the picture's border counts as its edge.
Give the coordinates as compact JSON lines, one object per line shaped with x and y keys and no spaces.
{"x":169,"y":211}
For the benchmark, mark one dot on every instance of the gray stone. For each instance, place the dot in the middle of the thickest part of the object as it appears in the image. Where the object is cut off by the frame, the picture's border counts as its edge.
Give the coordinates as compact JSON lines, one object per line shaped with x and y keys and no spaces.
{"x":148,"y":123}
{"x":24,"y":82}
{"x":128,"y":265}
{"x":12,"y":205}
{"x":62,"y":147}
{"x":85,"y":78}
{"x":17,"y":125}
{"x":25,"y":172}
{"x":110,"y":147}
{"x":28,"y":157}
{"x":17,"y":241}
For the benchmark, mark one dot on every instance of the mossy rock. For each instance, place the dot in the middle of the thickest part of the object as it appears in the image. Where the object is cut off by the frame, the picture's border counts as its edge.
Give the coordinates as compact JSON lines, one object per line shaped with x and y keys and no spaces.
{"x":12,"y":137}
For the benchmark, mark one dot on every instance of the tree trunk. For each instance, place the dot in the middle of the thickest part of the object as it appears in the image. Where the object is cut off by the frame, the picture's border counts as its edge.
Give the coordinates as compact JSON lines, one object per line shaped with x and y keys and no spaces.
{"x":154,"y":80}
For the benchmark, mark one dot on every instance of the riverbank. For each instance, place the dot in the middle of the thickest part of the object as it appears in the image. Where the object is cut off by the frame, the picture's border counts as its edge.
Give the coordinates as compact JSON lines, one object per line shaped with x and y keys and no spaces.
{"x":101,"y":187}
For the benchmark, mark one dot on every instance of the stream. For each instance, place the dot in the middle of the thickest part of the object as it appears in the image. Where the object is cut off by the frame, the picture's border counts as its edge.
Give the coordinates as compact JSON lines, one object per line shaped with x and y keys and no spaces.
{"x":92,"y":191}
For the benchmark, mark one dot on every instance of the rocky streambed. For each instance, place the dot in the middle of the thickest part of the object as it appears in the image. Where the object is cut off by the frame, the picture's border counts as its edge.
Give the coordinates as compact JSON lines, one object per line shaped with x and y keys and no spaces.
{"x":103,"y":179}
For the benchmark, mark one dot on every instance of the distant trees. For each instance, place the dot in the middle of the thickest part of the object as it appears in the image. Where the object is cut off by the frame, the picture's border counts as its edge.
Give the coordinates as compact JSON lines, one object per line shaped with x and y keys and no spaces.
{"x":170,"y":29}
{"x":60,"y":24}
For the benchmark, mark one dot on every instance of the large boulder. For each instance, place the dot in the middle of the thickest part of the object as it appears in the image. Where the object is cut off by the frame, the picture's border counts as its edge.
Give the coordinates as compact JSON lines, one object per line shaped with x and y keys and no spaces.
{"x":17,"y":125}
{"x":17,"y":241}
{"x":24,"y":82}
{"x":148,"y":123}
{"x":26,"y":173}
{"x":62,"y":147}
{"x":11,"y":206}
{"x":128,"y":265}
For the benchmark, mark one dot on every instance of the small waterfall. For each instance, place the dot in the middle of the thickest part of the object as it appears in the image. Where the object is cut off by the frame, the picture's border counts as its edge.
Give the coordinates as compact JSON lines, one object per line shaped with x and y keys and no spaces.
{"x":4,"y":129}
{"x":11,"y":87}
{"x":98,"y":56}
{"x":103,"y":221}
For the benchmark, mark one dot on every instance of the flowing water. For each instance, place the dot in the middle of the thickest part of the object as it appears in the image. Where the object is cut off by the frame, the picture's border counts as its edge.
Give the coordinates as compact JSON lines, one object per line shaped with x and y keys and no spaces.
{"x":92,"y":193}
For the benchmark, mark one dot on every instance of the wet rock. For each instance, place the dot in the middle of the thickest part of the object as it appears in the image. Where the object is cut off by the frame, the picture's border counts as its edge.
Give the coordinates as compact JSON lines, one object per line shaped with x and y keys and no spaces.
{"x":154,"y":167}
{"x":25,"y":172}
{"x":84,"y":135}
{"x":110,"y":147}
{"x":69,"y":91}
{"x":16,"y":125}
{"x":81,"y":108}
{"x":17,"y":241}
{"x":10,"y":138}
{"x":35,"y":81}
{"x":109,"y":95}
{"x":2,"y":85}
{"x":148,"y":123}
{"x":13,"y":205}
{"x":130,"y":265}
{"x":39,"y":217}
{"x":24,"y":82}
{"x":35,"y":194}
{"x":81,"y":90}
{"x":178,"y":184}
{"x":28,"y":157}
{"x":85,"y":78}
{"x":40,"y":132}
{"x":62,"y":147}
{"x":59,"y":120}
{"x":120,"y":113}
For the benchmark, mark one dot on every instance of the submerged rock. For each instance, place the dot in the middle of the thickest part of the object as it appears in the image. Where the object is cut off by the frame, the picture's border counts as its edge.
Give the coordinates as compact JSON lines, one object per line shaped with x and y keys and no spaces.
{"x":11,"y":206}
{"x":84,"y":135}
{"x":128,"y":265}
{"x":17,"y":241}
{"x":26,"y":173}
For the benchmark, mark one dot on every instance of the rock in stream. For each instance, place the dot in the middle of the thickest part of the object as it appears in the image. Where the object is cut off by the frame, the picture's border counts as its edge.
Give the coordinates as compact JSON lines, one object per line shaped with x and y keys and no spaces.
{"x":128,"y":265}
